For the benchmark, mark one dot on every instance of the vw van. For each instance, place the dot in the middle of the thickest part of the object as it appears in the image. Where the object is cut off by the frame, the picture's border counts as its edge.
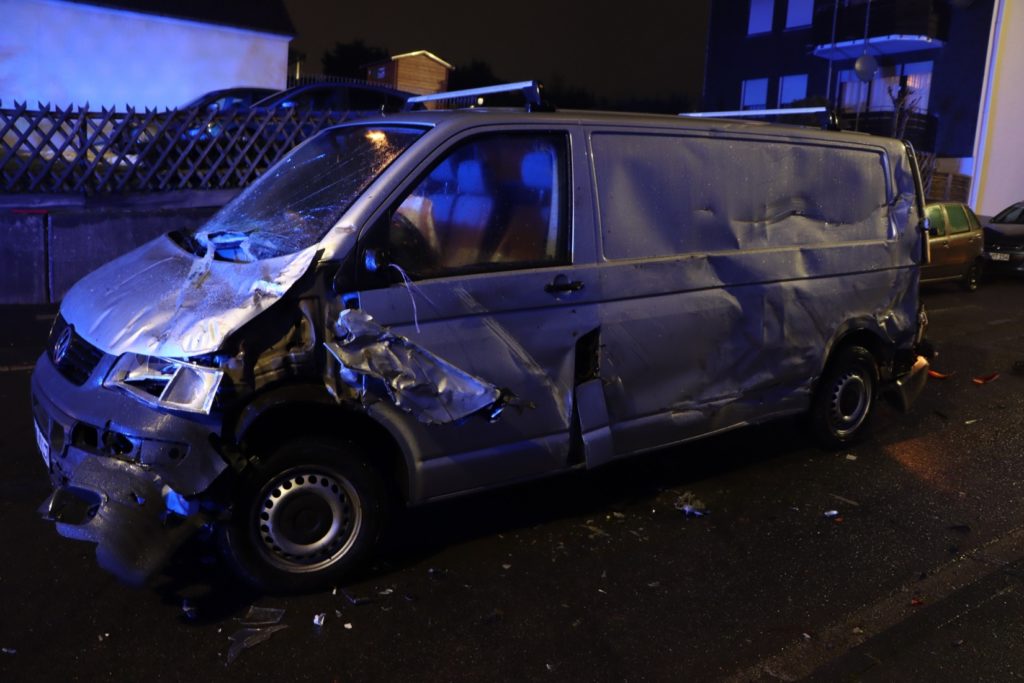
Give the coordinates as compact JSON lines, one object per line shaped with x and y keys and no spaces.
{"x":438,"y":302}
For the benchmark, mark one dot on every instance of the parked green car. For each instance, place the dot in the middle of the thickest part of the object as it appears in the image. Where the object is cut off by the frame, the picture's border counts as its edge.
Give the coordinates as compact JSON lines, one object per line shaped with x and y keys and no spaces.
{"x":955,"y":245}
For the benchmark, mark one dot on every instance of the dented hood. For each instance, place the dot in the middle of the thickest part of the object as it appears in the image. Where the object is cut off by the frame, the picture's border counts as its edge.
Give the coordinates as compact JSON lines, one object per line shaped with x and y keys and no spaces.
{"x":160,"y":300}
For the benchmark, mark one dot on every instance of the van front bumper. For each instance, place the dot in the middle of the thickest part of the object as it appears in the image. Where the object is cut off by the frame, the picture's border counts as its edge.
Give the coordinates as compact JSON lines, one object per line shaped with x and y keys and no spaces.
{"x":126,"y":477}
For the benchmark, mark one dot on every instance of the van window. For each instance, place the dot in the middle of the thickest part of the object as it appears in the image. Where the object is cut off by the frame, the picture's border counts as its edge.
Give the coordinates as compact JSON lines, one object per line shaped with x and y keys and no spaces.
{"x":493,"y":203}
{"x":958,"y":222}
{"x":661,"y":195}
{"x":300,"y":198}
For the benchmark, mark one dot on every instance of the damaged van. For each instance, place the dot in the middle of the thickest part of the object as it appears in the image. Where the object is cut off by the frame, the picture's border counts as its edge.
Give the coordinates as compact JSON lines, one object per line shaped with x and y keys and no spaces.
{"x":436,"y":302}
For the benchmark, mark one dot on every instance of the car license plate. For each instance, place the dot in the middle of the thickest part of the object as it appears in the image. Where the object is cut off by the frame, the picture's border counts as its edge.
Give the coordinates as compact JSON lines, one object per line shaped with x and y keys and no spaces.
{"x":999,"y":257}
{"x":44,"y":446}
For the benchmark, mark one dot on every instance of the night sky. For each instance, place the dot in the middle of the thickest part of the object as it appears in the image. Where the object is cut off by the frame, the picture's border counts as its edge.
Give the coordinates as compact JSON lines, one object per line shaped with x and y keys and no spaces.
{"x":636,"y":49}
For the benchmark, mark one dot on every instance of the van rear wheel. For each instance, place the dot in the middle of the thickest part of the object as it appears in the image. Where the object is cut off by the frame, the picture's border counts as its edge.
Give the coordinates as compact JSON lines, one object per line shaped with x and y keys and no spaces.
{"x":309,"y":514}
{"x":845,"y":398}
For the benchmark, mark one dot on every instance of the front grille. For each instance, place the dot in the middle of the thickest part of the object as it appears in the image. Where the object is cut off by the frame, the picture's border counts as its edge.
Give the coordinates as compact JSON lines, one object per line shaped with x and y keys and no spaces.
{"x":78,"y":359}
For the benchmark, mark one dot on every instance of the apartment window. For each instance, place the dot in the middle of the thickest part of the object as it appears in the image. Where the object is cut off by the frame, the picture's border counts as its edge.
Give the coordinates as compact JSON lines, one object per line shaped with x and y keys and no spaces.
{"x":754,"y":94}
{"x":761,"y":12}
{"x":799,"y":13}
{"x":792,"y":88}
{"x":855,"y":95}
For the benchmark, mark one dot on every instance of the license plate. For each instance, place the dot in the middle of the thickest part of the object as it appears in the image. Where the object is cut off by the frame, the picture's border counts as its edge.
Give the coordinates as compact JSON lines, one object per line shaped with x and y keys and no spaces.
{"x":44,"y":446}
{"x":999,"y":257}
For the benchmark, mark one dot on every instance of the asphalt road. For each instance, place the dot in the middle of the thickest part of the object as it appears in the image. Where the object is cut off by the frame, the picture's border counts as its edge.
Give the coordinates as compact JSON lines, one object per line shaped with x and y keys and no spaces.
{"x":596,"y":576}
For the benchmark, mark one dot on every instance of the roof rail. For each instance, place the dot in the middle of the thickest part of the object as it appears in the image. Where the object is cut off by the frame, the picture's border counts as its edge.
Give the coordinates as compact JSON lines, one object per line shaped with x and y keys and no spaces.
{"x":827,"y":118}
{"x":531,"y":91}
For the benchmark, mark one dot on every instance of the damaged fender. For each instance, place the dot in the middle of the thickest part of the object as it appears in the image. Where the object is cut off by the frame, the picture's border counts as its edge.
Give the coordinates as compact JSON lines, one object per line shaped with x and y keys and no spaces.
{"x":415,"y":380}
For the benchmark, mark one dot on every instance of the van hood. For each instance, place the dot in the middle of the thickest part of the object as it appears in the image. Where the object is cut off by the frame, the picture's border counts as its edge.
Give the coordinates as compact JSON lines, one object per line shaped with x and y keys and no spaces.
{"x":160,"y":300}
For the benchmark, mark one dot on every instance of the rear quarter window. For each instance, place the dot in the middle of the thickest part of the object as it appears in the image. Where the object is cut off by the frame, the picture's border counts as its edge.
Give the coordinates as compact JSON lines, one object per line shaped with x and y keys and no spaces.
{"x":661,"y":195}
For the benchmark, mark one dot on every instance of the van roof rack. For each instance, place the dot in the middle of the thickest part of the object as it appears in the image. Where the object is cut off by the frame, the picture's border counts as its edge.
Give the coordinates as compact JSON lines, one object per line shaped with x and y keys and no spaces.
{"x":827,"y":117}
{"x":531,"y":91}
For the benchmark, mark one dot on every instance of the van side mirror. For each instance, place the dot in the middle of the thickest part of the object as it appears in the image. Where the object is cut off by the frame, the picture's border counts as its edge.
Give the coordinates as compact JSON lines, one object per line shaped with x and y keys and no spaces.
{"x":373,"y":260}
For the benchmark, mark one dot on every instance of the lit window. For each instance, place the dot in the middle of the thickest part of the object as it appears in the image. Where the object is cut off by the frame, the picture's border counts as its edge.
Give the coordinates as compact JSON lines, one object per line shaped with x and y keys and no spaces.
{"x":792,"y":89}
{"x":799,"y":13}
{"x":754,"y":94}
{"x":761,"y":12}
{"x":878,"y":95}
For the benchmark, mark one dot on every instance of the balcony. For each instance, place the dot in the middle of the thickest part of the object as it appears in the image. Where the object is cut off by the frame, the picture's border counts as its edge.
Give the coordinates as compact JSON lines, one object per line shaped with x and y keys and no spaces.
{"x":920,"y":128}
{"x":894,"y":26}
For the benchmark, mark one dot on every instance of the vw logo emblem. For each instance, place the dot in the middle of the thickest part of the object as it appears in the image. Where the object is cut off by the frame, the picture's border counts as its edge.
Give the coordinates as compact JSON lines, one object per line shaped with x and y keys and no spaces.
{"x":60,"y":349}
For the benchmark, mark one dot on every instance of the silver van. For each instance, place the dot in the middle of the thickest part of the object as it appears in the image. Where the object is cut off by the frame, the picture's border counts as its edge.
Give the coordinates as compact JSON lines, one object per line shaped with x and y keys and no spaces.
{"x":437,"y":302}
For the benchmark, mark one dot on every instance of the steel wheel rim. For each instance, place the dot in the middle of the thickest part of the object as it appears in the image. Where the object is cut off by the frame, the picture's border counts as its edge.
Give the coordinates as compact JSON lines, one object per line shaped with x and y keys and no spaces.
{"x":306,"y":519}
{"x":851,"y":399}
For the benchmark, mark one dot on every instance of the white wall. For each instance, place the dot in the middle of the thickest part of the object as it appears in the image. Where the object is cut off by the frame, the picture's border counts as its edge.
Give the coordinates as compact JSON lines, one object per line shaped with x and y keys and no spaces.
{"x":67,"y":53}
{"x":999,"y":146}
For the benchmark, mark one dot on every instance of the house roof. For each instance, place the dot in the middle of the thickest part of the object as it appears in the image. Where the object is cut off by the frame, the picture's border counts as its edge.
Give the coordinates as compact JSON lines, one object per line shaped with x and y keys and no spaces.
{"x":266,"y":16}
{"x":424,"y":53}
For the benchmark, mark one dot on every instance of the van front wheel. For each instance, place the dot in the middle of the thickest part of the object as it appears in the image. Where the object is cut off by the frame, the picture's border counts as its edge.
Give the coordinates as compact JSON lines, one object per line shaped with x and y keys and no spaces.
{"x":307,"y":515}
{"x":845,"y":398}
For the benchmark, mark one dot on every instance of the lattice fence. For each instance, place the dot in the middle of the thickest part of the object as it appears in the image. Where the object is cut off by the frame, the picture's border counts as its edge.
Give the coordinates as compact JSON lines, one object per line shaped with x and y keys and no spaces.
{"x":55,"y":150}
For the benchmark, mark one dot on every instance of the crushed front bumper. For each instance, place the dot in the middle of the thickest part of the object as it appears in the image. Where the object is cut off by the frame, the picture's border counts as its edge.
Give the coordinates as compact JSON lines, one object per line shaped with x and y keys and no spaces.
{"x":125,"y":477}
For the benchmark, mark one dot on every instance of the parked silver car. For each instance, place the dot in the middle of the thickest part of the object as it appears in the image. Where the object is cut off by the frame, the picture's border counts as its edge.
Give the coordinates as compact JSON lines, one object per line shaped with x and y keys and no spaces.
{"x":1004,"y":240}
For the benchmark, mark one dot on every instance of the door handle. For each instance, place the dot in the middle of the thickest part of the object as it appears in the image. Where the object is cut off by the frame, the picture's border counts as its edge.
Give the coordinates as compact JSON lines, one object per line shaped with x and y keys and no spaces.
{"x":562,"y":284}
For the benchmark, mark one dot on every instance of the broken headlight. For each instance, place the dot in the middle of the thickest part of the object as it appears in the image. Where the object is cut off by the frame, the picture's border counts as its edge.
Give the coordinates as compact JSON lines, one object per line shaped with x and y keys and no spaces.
{"x":165,"y":382}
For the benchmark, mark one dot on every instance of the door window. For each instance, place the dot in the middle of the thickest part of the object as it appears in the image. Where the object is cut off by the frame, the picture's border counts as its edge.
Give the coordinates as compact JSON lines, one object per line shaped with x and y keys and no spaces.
{"x":496,"y":202}
{"x":958,"y":222}
{"x":937,"y":220}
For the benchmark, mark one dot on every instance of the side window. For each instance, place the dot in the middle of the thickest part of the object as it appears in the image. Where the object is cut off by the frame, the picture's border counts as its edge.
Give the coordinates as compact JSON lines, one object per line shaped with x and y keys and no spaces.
{"x":958,"y":222}
{"x":495,"y":202}
{"x":975,"y":223}
{"x":937,"y":220}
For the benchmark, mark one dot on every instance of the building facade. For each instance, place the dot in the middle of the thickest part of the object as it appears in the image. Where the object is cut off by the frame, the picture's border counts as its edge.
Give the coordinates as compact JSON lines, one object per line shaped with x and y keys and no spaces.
{"x":139,"y":53}
{"x":929,"y":58}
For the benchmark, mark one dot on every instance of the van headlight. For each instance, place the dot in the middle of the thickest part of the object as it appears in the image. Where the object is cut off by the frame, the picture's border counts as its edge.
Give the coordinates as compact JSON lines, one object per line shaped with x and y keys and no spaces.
{"x":165,"y":382}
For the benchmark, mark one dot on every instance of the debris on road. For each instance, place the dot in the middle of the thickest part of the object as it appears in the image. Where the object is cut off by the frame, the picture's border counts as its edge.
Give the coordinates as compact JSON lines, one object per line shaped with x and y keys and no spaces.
{"x":985,"y":379}
{"x":250,"y":637}
{"x":940,"y":375}
{"x":851,"y":456}
{"x":831,"y":514}
{"x":8,"y":650}
{"x":356,"y":599}
{"x":690,"y":505}
{"x":916,"y":602}
{"x":970,"y":422}
{"x":319,"y":619}
{"x":845,"y":500}
{"x":262,"y":616}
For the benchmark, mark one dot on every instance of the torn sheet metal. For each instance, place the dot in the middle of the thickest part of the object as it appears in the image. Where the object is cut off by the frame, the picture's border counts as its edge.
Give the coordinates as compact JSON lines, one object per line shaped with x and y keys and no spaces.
{"x":416,"y":380}
{"x":160,"y":300}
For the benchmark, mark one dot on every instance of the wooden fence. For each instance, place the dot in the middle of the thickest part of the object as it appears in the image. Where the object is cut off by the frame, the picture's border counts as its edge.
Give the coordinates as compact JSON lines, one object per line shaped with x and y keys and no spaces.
{"x":79,"y":150}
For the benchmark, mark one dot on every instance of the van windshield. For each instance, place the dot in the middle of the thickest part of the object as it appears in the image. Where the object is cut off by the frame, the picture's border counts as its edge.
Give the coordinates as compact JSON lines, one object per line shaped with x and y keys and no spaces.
{"x":299,"y":199}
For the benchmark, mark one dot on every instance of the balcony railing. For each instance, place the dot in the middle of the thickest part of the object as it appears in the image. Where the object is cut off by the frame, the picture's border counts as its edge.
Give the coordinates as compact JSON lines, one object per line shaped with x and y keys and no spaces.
{"x":919,"y":128}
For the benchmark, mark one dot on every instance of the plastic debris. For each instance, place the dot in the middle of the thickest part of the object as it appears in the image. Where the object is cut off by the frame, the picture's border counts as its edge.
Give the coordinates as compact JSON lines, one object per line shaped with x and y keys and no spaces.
{"x":845,"y":500}
{"x":506,"y":566}
{"x":356,"y":599}
{"x":690,"y":505}
{"x":386,"y":592}
{"x":319,"y":618}
{"x":8,"y":650}
{"x":985,"y":379}
{"x":348,"y":626}
{"x":806,"y":636}
{"x":831,"y":514}
{"x":189,"y":609}
{"x":262,"y":616}
{"x":858,"y":631}
{"x":916,"y":602}
{"x":970,"y":422}
{"x":940,"y":375}
{"x":851,"y":456}
{"x":250,"y":637}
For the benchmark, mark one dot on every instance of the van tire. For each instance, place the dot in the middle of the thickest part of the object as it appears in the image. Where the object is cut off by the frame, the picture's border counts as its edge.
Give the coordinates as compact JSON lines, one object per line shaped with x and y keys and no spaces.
{"x":845,"y":398}
{"x":972,"y":277}
{"x":308,"y":515}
